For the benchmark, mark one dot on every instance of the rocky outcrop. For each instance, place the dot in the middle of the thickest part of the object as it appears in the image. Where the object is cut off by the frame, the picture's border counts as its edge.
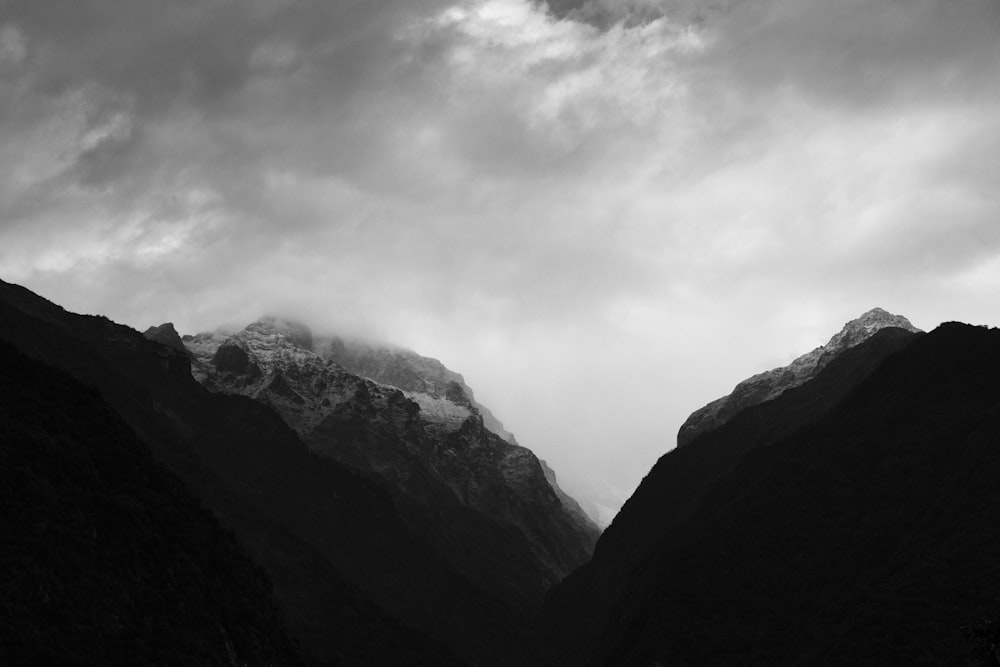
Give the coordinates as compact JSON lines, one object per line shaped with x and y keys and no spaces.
{"x":165,"y":334}
{"x":770,"y":384}
{"x":484,"y":501}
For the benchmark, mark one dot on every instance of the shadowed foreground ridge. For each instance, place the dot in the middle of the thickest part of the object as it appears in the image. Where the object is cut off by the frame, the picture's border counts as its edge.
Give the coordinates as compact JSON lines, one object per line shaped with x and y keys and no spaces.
{"x":864,"y":535}
{"x":106,"y":558}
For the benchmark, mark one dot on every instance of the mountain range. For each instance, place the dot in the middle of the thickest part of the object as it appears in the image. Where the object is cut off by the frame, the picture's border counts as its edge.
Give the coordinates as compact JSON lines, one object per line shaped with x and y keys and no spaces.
{"x":361,"y":572}
{"x":271,"y":496}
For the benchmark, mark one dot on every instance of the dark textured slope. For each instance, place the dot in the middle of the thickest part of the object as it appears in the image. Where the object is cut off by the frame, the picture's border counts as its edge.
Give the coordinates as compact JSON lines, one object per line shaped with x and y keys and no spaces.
{"x":576,"y":611}
{"x":867,"y":537}
{"x":105,"y":558}
{"x":329,"y":539}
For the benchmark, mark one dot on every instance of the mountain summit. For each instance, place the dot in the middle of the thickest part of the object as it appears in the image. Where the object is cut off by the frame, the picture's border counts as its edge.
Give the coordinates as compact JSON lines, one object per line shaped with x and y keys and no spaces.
{"x":770,"y":384}
{"x":482,"y":500}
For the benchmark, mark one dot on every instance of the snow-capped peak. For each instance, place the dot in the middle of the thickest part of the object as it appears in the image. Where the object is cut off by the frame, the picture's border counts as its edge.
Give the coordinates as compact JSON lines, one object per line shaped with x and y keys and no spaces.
{"x":770,"y":384}
{"x":294,"y":332}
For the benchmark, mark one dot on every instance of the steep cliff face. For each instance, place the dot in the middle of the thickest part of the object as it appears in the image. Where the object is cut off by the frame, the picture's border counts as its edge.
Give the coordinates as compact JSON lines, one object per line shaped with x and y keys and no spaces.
{"x":770,"y":384}
{"x":482,"y":500}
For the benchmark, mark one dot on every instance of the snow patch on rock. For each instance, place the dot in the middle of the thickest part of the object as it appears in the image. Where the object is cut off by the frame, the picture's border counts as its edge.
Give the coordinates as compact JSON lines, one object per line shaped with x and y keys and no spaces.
{"x":771,"y":384}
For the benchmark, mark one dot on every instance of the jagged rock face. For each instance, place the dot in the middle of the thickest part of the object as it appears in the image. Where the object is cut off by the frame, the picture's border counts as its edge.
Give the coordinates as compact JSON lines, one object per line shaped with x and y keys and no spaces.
{"x":412,"y":423}
{"x":414,"y":374}
{"x":770,"y":384}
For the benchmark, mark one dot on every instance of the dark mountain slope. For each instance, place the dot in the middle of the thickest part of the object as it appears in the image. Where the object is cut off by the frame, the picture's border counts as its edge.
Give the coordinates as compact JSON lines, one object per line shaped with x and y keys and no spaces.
{"x":331,"y":541}
{"x":679,"y":480}
{"x":868,"y":536}
{"x":576,"y":611}
{"x":105,"y":558}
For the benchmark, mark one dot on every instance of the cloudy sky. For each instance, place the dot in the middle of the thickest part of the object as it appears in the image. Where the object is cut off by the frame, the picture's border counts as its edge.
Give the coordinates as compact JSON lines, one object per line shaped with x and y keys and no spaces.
{"x":604,"y":213}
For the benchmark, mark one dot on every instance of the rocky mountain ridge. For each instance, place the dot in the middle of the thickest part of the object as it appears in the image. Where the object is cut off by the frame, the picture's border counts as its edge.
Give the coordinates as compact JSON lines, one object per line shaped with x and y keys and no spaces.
{"x":770,"y":384}
{"x":419,"y":377}
{"x":425,"y":438}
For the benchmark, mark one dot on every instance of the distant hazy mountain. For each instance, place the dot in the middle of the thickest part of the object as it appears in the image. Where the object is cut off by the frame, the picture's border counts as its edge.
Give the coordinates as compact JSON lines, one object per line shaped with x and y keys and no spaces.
{"x":848,"y":520}
{"x":770,"y":384}
{"x":484,"y":502}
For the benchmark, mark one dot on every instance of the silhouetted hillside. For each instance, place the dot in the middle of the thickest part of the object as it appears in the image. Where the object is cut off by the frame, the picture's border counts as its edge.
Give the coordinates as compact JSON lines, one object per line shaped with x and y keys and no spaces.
{"x":678,"y":482}
{"x":105,"y":558}
{"x":576,"y":611}
{"x":865,"y":535}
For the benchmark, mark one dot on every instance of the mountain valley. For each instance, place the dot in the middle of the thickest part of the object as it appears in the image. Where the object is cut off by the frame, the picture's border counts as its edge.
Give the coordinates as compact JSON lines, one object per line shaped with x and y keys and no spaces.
{"x":355,"y":505}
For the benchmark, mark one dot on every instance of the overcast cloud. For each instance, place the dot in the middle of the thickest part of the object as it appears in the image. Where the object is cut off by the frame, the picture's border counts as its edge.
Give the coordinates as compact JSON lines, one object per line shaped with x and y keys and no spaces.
{"x":603,"y":213}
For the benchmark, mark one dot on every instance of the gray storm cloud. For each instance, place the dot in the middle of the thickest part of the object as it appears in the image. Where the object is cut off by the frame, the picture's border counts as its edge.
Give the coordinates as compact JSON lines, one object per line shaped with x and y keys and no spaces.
{"x":604,"y":213}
